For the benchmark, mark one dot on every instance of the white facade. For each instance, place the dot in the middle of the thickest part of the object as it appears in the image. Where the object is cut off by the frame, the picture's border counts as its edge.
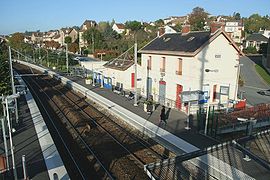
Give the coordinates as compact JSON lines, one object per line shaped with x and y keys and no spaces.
{"x":266,"y":33}
{"x":117,"y":76}
{"x":169,"y":30}
{"x":222,"y":63}
{"x":124,"y":77}
{"x":118,"y":29}
{"x":235,"y":29}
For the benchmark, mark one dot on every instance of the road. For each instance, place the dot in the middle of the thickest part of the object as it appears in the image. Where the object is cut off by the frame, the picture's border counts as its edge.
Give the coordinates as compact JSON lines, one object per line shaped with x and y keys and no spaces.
{"x":252,"y":83}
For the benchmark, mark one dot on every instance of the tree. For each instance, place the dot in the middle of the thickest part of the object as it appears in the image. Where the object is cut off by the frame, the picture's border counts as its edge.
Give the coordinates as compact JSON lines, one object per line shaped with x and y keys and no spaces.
{"x":102,"y":26}
{"x":197,"y":19}
{"x":94,"y":39}
{"x":236,"y":16}
{"x":17,"y":41}
{"x":159,"y":22}
{"x":5,"y":86}
{"x":263,"y":49}
{"x":73,"y":47}
{"x":255,"y":22}
{"x":133,"y":25}
{"x":178,"y":27}
{"x":68,"y":39}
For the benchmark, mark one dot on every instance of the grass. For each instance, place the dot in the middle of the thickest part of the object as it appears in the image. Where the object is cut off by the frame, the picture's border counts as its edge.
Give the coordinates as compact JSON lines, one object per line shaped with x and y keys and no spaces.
{"x":263,"y":73}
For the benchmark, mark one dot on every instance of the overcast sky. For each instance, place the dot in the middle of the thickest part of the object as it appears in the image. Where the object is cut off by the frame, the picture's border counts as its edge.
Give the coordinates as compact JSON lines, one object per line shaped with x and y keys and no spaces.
{"x":22,"y":15}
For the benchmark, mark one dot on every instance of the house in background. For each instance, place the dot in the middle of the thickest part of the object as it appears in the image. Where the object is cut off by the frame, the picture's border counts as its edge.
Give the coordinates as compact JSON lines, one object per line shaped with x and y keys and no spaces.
{"x":118,"y":27}
{"x":84,"y":27}
{"x":265,"y":32}
{"x":255,"y":40}
{"x":37,"y":38}
{"x":65,"y":32}
{"x":191,"y":61}
{"x":235,"y":29}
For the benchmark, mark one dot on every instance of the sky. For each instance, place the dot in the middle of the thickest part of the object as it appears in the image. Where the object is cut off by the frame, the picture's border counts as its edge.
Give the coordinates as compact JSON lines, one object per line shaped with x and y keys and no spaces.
{"x":44,"y":15}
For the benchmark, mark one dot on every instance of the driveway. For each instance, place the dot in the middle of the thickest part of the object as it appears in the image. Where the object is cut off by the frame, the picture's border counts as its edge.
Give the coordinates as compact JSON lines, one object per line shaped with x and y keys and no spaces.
{"x":252,"y":83}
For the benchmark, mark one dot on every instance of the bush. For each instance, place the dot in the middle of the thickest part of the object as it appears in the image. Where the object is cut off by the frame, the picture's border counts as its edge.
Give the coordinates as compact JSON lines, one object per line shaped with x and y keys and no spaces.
{"x":250,"y":50}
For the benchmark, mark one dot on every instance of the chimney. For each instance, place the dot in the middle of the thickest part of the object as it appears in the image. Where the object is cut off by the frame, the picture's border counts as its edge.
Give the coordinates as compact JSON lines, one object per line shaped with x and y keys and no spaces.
{"x":185,"y":29}
{"x":214,"y":26}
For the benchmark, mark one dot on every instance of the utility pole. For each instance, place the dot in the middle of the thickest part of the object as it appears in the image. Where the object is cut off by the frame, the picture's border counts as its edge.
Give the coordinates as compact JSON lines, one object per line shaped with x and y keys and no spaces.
{"x":135,"y":74}
{"x":67,"y":56}
{"x":11,"y":142}
{"x":12,"y":84}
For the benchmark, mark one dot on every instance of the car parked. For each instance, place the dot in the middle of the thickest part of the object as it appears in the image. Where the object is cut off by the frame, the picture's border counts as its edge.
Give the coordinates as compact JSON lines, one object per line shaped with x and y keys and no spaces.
{"x":264,"y":92}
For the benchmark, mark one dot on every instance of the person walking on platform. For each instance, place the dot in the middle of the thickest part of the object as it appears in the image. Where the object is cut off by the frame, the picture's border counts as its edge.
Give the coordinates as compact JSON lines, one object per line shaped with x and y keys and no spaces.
{"x":163,"y":115}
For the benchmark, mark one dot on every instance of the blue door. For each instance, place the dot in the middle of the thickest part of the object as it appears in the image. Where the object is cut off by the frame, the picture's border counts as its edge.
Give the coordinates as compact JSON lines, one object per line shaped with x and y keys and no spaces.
{"x":107,"y":83}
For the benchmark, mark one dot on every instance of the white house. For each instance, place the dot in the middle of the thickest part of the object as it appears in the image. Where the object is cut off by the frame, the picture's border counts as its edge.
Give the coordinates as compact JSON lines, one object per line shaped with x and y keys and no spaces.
{"x":235,"y":29}
{"x":255,"y":40}
{"x":265,"y":32}
{"x":119,"y":28}
{"x":193,"y":61}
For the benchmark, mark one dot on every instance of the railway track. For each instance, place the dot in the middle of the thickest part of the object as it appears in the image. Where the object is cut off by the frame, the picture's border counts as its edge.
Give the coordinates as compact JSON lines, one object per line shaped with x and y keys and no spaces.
{"x":120,"y":151}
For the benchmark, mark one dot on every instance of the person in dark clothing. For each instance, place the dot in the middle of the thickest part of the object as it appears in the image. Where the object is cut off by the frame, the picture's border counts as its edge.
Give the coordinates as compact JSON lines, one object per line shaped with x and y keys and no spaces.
{"x":163,"y":115}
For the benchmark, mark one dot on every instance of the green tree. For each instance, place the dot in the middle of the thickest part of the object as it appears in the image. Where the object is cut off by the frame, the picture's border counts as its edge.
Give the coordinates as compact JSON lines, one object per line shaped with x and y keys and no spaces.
{"x":17,"y":41}
{"x":178,"y":27}
{"x":133,"y":25}
{"x":197,"y":18}
{"x":236,"y":16}
{"x":159,"y":22}
{"x":5,"y":86}
{"x":103,"y":25}
{"x":68,"y":39}
{"x":255,"y":22}
{"x":94,"y":39}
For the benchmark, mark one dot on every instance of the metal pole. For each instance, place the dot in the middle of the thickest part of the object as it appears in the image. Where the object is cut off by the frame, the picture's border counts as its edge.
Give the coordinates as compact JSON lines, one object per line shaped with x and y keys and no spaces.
{"x":4,"y":136}
{"x":12,"y":84}
{"x":47,"y":58}
{"x":93,"y":75}
{"x":207,"y":112}
{"x":237,"y":79}
{"x":135,"y":74}
{"x":24,"y":167}
{"x":187,"y":127}
{"x":11,"y":143}
{"x":67,"y":56}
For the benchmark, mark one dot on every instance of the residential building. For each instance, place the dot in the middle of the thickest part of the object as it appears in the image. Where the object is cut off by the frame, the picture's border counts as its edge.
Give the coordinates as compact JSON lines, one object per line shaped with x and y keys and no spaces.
{"x":118,"y":27}
{"x":235,"y":29}
{"x":265,"y":32}
{"x":173,"y":20}
{"x":37,"y":38}
{"x":48,"y":36}
{"x":71,"y":32}
{"x":255,"y":40}
{"x":190,"y":61}
{"x":84,"y":27}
